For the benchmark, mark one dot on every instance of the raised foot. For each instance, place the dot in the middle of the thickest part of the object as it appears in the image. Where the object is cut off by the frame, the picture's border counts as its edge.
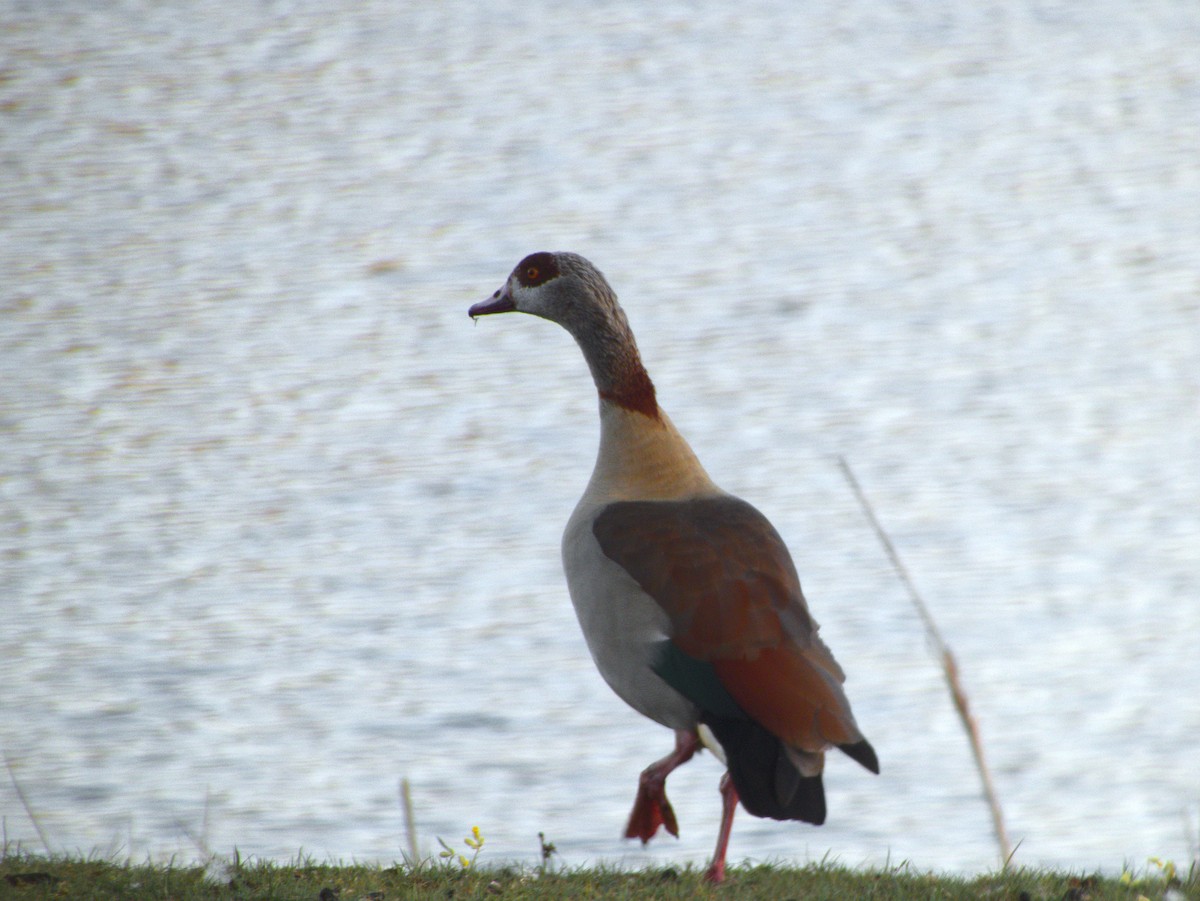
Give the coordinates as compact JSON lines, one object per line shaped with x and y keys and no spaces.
{"x":652,"y":809}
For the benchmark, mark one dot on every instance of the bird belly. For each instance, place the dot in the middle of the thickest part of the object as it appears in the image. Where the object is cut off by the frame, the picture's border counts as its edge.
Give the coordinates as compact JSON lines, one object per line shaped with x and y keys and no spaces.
{"x":623,"y":627}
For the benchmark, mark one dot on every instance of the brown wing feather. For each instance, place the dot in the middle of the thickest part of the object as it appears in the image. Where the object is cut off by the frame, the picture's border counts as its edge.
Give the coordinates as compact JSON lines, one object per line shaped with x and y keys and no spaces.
{"x":783,"y":690}
{"x":726,"y":581}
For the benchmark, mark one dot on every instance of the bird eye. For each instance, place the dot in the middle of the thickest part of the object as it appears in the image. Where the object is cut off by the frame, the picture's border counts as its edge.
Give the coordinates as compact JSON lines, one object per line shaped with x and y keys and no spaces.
{"x":536,"y":269}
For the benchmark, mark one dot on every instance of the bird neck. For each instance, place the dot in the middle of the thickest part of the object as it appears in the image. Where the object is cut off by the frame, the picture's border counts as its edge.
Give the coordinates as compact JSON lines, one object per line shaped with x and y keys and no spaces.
{"x":631,"y":389}
{"x":612,"y":356}
{"x":644,"y":457}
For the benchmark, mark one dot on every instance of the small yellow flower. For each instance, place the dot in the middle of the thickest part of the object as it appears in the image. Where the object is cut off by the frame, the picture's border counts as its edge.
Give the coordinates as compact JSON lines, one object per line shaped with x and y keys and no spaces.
{"x":1126,"y":877}
{"x":1167,"y":867}
{"x":463,"y":860}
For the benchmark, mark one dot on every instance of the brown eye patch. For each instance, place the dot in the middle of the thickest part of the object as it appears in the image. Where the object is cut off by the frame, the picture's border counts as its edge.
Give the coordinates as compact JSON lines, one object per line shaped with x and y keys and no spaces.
{"x":537,"y":269}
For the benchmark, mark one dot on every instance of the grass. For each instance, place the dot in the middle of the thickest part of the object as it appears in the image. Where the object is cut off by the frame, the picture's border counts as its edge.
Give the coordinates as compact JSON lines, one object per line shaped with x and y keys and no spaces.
{"x":25,"y":876}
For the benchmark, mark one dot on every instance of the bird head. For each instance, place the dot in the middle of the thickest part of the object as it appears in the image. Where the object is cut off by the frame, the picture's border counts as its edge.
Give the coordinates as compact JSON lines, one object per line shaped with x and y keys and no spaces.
{"x":562,"y":287}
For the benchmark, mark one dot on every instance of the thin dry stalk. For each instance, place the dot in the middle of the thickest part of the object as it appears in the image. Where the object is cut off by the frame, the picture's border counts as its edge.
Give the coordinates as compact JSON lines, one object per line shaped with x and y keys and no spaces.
{"x":28,"y":810}
{"x":410,"y":821}
{"x":949,"y":665}
{"x":199,"y":839}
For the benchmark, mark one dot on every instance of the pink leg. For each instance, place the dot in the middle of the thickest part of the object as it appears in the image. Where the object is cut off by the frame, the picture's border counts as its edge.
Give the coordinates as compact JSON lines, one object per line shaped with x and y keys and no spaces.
{"x":652,"y":809}
{"x":729,"y":801}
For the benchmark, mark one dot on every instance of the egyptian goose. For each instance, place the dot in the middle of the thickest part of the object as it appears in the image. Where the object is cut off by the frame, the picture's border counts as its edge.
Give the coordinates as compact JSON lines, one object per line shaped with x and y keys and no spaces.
{"x":687,"y":596}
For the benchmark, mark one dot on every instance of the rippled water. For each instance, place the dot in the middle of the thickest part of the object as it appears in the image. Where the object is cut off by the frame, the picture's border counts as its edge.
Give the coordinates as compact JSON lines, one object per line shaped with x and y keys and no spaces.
{"x":279,"y":527}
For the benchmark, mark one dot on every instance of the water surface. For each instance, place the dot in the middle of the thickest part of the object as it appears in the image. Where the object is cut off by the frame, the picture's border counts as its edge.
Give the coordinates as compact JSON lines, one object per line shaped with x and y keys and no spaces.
{"x":279,"y":527}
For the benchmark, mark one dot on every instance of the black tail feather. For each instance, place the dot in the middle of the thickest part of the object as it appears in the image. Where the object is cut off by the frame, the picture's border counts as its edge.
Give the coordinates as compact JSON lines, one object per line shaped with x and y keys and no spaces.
{"x":767,"y":782}
{"x":863,"y":753}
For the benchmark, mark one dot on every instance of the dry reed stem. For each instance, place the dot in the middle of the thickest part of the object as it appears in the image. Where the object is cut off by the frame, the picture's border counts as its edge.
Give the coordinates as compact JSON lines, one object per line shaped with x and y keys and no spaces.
{"x":25,"y":803}
{"x":410,"y":821}
{"x":949,"y":665}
